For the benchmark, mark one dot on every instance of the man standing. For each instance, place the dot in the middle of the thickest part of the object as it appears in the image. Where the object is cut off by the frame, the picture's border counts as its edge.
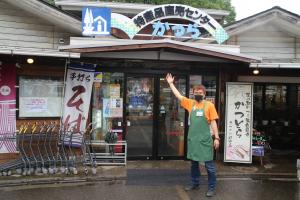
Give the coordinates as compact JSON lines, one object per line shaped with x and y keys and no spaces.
{"x":202,"y":116}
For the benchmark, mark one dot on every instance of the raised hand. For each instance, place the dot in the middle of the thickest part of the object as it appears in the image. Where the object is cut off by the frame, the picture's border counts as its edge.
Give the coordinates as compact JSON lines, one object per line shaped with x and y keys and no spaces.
{"x":170,"y":78}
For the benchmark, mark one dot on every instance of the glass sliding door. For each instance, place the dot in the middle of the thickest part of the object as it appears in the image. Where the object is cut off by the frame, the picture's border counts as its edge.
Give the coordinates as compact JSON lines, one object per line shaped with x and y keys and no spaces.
{"x":154,"y":118}
{"x":139,"y":116}
{"x":170,"y":120}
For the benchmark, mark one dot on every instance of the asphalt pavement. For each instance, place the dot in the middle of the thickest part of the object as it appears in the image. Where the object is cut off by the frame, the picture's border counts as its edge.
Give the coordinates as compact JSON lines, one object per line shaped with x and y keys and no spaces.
{"x":155,"y":180}
{"x":227,"y":189}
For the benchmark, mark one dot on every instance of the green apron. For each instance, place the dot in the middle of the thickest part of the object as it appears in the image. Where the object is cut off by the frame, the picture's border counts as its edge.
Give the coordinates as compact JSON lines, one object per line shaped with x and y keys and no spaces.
{"x":200,"y":144}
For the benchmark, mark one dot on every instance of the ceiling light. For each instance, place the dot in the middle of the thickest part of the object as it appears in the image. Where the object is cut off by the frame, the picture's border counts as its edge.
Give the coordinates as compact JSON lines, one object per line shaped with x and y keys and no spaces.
{"x":30,"y":60}
{"x":255,"y":71}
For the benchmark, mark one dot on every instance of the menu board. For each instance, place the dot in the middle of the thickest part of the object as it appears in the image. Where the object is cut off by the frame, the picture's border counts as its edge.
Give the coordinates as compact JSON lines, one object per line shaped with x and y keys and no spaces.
{"x":40,"y":97}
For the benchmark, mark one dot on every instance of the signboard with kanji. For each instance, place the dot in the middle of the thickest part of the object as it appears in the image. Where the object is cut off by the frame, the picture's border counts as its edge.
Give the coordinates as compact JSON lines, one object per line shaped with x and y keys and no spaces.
{"x":77,"y":98}
{"x":238,"y":123}
{"x":200,"y":23}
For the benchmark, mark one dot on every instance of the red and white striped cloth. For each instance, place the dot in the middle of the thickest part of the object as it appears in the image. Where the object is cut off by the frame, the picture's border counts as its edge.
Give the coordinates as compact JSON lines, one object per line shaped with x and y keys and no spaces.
{"x":7,"y":126}
{"x":7,"y":108}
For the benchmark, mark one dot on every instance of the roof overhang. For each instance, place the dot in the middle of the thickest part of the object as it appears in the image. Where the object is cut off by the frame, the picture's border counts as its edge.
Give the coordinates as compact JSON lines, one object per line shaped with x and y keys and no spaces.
{"x":191,"y":48}
{"x":49,"y":13}
{"x":287,"y":21}
{"x":37,"y":52}
{"x":276,"y":65}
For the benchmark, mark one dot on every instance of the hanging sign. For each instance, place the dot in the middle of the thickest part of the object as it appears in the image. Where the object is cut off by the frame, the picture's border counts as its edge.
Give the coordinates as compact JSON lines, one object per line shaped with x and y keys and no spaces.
{"x":7,"y":108}
{"x":198,"y":18}
{"x":238,"y":122}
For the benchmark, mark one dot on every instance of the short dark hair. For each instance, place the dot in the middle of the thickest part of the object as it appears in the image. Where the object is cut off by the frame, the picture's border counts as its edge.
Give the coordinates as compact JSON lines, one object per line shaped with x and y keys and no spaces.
{"x":200,"y":87}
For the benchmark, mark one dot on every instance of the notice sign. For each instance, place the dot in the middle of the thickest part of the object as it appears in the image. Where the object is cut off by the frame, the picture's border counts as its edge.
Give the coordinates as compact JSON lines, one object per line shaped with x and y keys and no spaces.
{"x":35,"y":104}
{"x":113,"y":107}
{"x":114,"y":90}
{"x":238,"y":119}
{"x":98,"y":77}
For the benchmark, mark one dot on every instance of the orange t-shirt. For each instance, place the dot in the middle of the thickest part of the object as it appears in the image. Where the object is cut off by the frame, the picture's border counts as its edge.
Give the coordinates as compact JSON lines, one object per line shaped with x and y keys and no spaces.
{"x":210,"y":110}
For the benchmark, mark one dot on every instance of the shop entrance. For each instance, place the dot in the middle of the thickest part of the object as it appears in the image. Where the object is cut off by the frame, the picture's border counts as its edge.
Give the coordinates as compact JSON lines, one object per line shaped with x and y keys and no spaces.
{"x":154,"y":119}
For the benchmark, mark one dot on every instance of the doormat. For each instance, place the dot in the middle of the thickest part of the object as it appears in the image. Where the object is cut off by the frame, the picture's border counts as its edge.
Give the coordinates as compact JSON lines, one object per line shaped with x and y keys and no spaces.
{"x":245,"y":169}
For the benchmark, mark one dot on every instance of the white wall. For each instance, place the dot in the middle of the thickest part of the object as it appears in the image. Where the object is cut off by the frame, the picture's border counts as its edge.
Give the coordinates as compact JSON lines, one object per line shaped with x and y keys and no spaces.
{"x":269,"y":42}
{"x":21,"y":29}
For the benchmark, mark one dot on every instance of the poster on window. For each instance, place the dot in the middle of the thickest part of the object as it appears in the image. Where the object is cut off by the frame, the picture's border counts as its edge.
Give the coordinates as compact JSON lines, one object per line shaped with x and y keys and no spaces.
{"x":98,"y":77}
{"x":116,"y":107}
{"x":77,"y":98}
{"x":7,"y":108}
{"x":238,"y":122}
{"x":114,"y":90}
{"x":35,"y":104}
{"x":113,"y":107}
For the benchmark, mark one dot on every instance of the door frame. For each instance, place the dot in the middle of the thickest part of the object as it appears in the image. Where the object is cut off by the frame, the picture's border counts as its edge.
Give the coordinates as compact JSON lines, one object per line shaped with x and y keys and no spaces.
{"x":155,"y":127}
{"x":139,"y":75}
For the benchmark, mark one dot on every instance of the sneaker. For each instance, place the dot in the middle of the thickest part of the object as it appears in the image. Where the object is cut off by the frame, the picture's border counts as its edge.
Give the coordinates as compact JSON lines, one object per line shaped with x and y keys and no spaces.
{"x":191,"y":187}
{"x":210,"y":193}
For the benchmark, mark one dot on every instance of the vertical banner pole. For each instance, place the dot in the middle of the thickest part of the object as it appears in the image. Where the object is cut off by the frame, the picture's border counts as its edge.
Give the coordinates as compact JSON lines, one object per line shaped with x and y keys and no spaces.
{"x":63,"y":92}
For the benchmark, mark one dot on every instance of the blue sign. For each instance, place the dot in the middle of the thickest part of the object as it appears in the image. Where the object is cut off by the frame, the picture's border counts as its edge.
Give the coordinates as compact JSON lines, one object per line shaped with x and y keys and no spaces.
{"x":96,"y":21}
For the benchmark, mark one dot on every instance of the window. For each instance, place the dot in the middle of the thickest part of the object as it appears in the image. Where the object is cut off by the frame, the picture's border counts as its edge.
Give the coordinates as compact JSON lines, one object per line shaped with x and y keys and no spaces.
{"x":258,"y":97}
{"x":276,"y":97}
{"x":40,"y":97}
{"x":107,"y":104}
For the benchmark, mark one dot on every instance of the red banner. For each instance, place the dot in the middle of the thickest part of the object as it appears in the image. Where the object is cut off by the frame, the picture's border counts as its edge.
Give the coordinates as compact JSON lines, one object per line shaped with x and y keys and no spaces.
{"x":7,"y":108}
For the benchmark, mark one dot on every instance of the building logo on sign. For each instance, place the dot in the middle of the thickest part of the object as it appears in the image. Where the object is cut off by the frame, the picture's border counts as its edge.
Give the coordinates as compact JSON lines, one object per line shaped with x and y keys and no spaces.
{"x":96,"y":21}
{"x":5,"y":90}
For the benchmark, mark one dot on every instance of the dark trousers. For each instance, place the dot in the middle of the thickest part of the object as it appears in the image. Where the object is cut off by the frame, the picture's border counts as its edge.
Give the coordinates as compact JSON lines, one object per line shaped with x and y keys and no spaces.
{"x":211,"y":173}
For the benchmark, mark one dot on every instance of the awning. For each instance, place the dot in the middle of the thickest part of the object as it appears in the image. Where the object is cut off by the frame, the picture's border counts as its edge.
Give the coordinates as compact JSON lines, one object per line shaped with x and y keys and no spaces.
{"x":276,"y":65}
{"x":37,"y":52}
{"x":191,"y":48}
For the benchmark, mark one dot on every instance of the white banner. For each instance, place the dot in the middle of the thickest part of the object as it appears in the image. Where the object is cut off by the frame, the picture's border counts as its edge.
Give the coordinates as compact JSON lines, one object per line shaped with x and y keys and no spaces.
{"x":78,"y":91}
{"x":238,"y":123}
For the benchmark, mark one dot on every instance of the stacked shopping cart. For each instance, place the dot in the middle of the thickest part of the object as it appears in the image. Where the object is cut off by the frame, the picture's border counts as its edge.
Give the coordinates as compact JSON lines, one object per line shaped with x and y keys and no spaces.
{"x":49,"y":149}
